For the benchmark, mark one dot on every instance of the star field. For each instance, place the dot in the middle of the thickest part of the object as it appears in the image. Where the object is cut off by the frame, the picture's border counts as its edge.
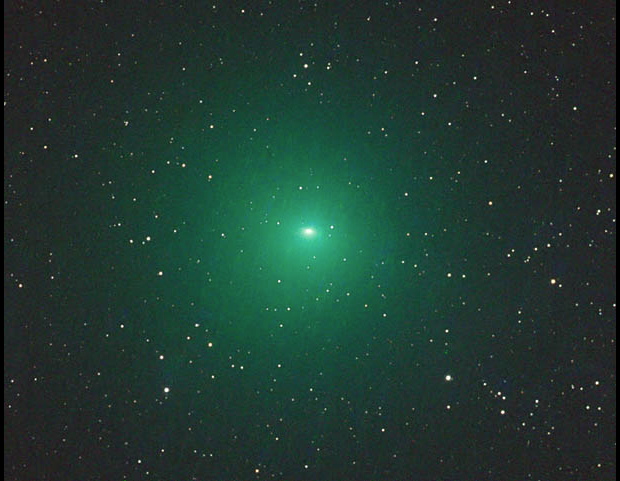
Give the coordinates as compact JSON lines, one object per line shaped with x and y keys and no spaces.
{"x":309,"y":240}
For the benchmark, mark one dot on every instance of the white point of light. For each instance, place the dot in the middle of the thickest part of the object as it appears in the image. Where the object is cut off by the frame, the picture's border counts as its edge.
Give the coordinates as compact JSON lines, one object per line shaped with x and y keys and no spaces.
{"x":309,"y":232}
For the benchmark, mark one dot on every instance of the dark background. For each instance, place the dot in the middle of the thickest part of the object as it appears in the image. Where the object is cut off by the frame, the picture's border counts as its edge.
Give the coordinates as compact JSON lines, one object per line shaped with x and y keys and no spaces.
{"x":166,"y":319}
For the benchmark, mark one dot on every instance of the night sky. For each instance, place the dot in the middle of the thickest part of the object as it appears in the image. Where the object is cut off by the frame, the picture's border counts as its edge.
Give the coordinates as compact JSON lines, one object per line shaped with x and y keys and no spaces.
{"x":299,"y":240}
